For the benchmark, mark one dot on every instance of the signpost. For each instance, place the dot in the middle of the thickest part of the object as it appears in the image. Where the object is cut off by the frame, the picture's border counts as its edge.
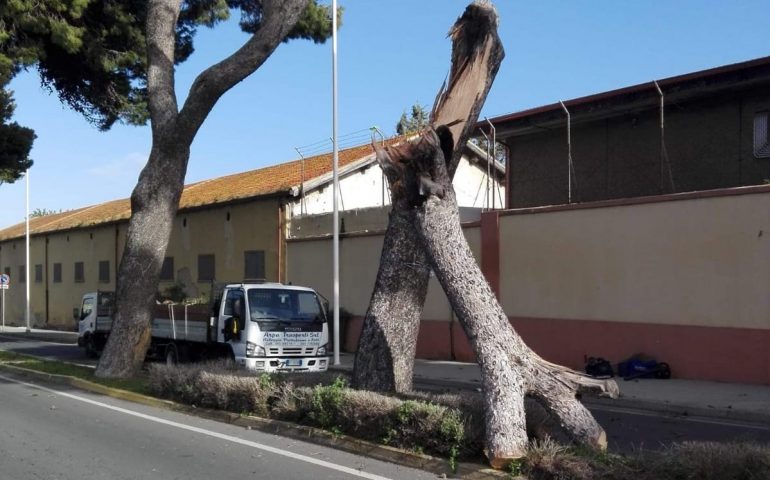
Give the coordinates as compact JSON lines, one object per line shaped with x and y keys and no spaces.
{"x":5,"y":282}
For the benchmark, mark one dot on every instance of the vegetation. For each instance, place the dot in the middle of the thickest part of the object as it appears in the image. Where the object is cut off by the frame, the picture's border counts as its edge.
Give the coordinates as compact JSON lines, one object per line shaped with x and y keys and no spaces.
{"x":416,"y":121}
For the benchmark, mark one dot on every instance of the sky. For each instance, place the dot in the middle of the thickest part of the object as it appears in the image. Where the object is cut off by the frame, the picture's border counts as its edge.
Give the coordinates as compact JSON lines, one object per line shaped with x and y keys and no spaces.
{"x":391,"y":55}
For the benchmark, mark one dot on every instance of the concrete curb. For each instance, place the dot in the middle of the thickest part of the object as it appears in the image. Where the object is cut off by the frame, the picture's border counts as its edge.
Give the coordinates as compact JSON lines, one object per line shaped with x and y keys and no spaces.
{"x":406,"y":458}
{"x":48,"y":336}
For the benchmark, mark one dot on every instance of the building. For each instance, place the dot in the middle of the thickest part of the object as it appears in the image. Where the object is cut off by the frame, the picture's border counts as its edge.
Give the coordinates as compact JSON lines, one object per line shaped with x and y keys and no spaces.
{"x":228,"y":228}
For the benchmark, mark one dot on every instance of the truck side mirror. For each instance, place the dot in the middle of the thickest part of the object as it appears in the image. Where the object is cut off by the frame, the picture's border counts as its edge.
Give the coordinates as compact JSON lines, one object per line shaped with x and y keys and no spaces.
{"x":76,"y":313}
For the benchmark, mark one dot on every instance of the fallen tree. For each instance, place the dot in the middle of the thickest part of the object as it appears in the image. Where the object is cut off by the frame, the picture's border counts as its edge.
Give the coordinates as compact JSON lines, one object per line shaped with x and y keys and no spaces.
{"x":510,"y":370}
{"x":386,"y":348}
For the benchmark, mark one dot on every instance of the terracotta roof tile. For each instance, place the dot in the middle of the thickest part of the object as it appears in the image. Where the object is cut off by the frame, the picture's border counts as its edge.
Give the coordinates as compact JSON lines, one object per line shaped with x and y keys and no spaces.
{"x":255,"y":183}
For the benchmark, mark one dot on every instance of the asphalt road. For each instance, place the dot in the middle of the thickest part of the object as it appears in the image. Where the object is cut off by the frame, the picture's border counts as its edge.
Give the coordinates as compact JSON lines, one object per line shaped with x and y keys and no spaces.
{"x":60,"y":433}
{"x":626,"y":430}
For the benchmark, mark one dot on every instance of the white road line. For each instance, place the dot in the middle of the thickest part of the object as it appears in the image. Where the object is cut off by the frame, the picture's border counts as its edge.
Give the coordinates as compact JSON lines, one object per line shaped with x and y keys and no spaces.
{"x":221,"y":436}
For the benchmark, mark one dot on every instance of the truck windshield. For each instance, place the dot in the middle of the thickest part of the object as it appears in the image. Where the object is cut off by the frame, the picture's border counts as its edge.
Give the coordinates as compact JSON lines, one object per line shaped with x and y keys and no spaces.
{"x":284,"y":305}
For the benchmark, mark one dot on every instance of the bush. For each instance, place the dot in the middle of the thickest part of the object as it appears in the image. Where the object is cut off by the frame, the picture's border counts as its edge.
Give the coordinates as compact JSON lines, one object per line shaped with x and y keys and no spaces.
{"x":421,"y":423}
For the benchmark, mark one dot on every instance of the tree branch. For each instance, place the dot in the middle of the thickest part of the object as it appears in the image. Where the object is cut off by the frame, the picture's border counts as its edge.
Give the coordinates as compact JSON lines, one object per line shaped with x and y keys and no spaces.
{"x":278,"y":19}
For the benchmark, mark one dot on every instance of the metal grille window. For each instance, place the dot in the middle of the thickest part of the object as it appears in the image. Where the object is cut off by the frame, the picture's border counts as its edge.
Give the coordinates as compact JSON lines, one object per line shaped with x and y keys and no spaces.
{"x":167,"y":269}
{"x":39,"y":273}
{"x":57,"y":273}
{"x":104,"y":271}
{"x":22,"y":274}
{"x":254,"y":264}
{"x":80,"y":275}
{"x":762,"y":135}
{"x":206,"y":272}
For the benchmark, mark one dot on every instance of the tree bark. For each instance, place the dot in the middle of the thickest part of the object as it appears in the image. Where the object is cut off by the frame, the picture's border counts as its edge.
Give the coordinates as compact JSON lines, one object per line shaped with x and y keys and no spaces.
{"x":509,"y":369}
{"x":155,"y":199}
{"x":386,"y":348}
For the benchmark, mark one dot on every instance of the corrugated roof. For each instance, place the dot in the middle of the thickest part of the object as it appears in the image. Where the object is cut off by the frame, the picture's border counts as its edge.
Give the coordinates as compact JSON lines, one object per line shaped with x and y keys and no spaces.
{"x":255,"y":183}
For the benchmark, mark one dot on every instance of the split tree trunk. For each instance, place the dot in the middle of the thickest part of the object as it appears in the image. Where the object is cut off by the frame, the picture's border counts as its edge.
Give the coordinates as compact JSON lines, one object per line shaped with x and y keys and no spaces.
{"x":509,"y":369}
{"x":386,"y":348}
{"x":155,"y":199}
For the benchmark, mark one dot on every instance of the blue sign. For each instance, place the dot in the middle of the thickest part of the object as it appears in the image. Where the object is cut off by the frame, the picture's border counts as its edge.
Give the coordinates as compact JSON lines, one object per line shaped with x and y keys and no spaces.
{"x":5,"y":279}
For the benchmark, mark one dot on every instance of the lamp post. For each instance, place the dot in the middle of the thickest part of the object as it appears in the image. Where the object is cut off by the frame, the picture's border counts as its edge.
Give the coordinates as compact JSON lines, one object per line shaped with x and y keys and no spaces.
{"x":335,"y":190}
{"x":26,"y":265}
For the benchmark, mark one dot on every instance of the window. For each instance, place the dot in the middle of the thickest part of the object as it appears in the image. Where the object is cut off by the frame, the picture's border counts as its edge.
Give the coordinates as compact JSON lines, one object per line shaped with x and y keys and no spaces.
{"x":39,"y":273}
{"x":22,"y":274}
{"x":87,"y":307}
{"x":762,"y":134}
{"x":80,"y":276}
{"x":57,"y":273}
{"x":233,"y":303}
{"x":7,"y":271}
{"x":167,"y":270}
{"x":254,"y":264}
{"x":206,"y":272}
{"x":104,"y":271}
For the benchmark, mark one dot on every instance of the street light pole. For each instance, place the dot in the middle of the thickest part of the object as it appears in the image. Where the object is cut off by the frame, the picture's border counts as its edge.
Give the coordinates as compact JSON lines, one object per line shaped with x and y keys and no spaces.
{"x":26,"y":311}
{"x":335,"y":190}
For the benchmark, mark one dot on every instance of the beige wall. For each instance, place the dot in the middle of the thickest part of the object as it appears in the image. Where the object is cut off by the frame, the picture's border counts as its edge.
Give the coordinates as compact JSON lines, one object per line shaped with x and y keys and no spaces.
{"x":309,"y":262}
{"x":703,"y":262}
{"x":251,"y":226}
{"x":89,"y":245}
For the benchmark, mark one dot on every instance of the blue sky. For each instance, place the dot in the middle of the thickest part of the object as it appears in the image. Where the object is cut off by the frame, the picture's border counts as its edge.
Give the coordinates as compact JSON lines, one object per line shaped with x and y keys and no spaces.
{"x":391,"y":55}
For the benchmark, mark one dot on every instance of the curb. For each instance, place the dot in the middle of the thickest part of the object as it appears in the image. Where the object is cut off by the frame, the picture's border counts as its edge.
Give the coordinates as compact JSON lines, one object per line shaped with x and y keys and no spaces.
{"x":50,"y":336}
{"x":469,"y":471}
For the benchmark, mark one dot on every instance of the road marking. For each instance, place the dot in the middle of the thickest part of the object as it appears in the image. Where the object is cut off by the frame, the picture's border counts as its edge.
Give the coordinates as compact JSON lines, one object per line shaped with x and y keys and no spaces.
{"x":686,"y":418}
{"x":221,"y":436}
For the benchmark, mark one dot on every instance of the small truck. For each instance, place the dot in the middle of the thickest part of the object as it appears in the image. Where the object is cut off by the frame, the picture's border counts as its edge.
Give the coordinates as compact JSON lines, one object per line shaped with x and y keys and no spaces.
{"x":264,"y":327}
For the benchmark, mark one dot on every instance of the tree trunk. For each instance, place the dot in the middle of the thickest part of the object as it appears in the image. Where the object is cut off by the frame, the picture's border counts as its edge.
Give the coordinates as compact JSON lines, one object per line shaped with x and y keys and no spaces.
{"x":155,"y":199}
{"x":509,"y":369}
{"x":385,"y":356}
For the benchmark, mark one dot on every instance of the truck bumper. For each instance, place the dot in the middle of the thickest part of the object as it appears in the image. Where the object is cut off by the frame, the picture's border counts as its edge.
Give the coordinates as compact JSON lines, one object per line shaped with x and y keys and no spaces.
{"x":284,"y":364}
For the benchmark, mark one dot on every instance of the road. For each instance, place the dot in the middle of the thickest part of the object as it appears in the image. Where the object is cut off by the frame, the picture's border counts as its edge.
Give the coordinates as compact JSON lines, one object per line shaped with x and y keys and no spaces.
{"x":626,"y":430}
{"x":59,"y":433}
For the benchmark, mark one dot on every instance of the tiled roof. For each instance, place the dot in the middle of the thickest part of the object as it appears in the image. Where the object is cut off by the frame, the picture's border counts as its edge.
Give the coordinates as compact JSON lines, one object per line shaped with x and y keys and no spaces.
{"x":254,"y":183}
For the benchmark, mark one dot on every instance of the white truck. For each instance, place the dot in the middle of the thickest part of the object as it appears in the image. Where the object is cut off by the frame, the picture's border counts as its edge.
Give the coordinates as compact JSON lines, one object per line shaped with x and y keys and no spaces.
{"x":265,"y":327}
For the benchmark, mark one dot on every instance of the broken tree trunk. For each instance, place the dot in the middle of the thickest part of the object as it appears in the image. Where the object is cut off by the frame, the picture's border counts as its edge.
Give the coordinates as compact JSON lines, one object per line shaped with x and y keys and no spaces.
{"x":385,"y":356}
{"x":509,"y":369}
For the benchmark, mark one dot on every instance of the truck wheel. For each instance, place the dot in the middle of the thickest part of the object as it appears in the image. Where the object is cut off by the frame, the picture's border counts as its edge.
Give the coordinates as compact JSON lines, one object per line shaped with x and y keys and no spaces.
{"x":90,"y":347}
{"x":172,"y":355}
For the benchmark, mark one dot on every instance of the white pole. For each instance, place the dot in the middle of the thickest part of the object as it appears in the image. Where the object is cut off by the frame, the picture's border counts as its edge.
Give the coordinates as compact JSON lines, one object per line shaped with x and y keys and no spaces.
{"x":26,"y":312}
{"x":336,"y":219}
{"x":3,"y":309}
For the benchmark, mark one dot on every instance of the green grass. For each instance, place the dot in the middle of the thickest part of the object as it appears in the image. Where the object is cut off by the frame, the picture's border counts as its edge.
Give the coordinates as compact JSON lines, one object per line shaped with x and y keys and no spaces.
{"x":137,"y":385}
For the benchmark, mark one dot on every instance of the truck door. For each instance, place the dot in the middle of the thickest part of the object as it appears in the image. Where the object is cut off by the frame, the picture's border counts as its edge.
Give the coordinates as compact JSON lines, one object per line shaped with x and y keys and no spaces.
{"x":232,"y":322}
{"x":87,"y":315}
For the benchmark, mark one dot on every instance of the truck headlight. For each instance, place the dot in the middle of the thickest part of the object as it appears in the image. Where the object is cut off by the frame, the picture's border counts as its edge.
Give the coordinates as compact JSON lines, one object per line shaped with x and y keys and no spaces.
{"x":322,"y":350}
{"x":254,"y":350}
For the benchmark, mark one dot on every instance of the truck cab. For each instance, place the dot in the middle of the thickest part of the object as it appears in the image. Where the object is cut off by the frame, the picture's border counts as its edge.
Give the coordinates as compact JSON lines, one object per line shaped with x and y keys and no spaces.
{"x":272,"y":327}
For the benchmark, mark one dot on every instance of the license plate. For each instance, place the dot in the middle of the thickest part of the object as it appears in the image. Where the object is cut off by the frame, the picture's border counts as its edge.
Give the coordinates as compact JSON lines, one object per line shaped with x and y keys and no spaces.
{"x":294,"y":362}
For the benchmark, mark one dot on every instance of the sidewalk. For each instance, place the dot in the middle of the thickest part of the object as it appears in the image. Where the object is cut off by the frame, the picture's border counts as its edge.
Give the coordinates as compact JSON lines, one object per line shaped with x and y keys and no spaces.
{"x":728,"y":401}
